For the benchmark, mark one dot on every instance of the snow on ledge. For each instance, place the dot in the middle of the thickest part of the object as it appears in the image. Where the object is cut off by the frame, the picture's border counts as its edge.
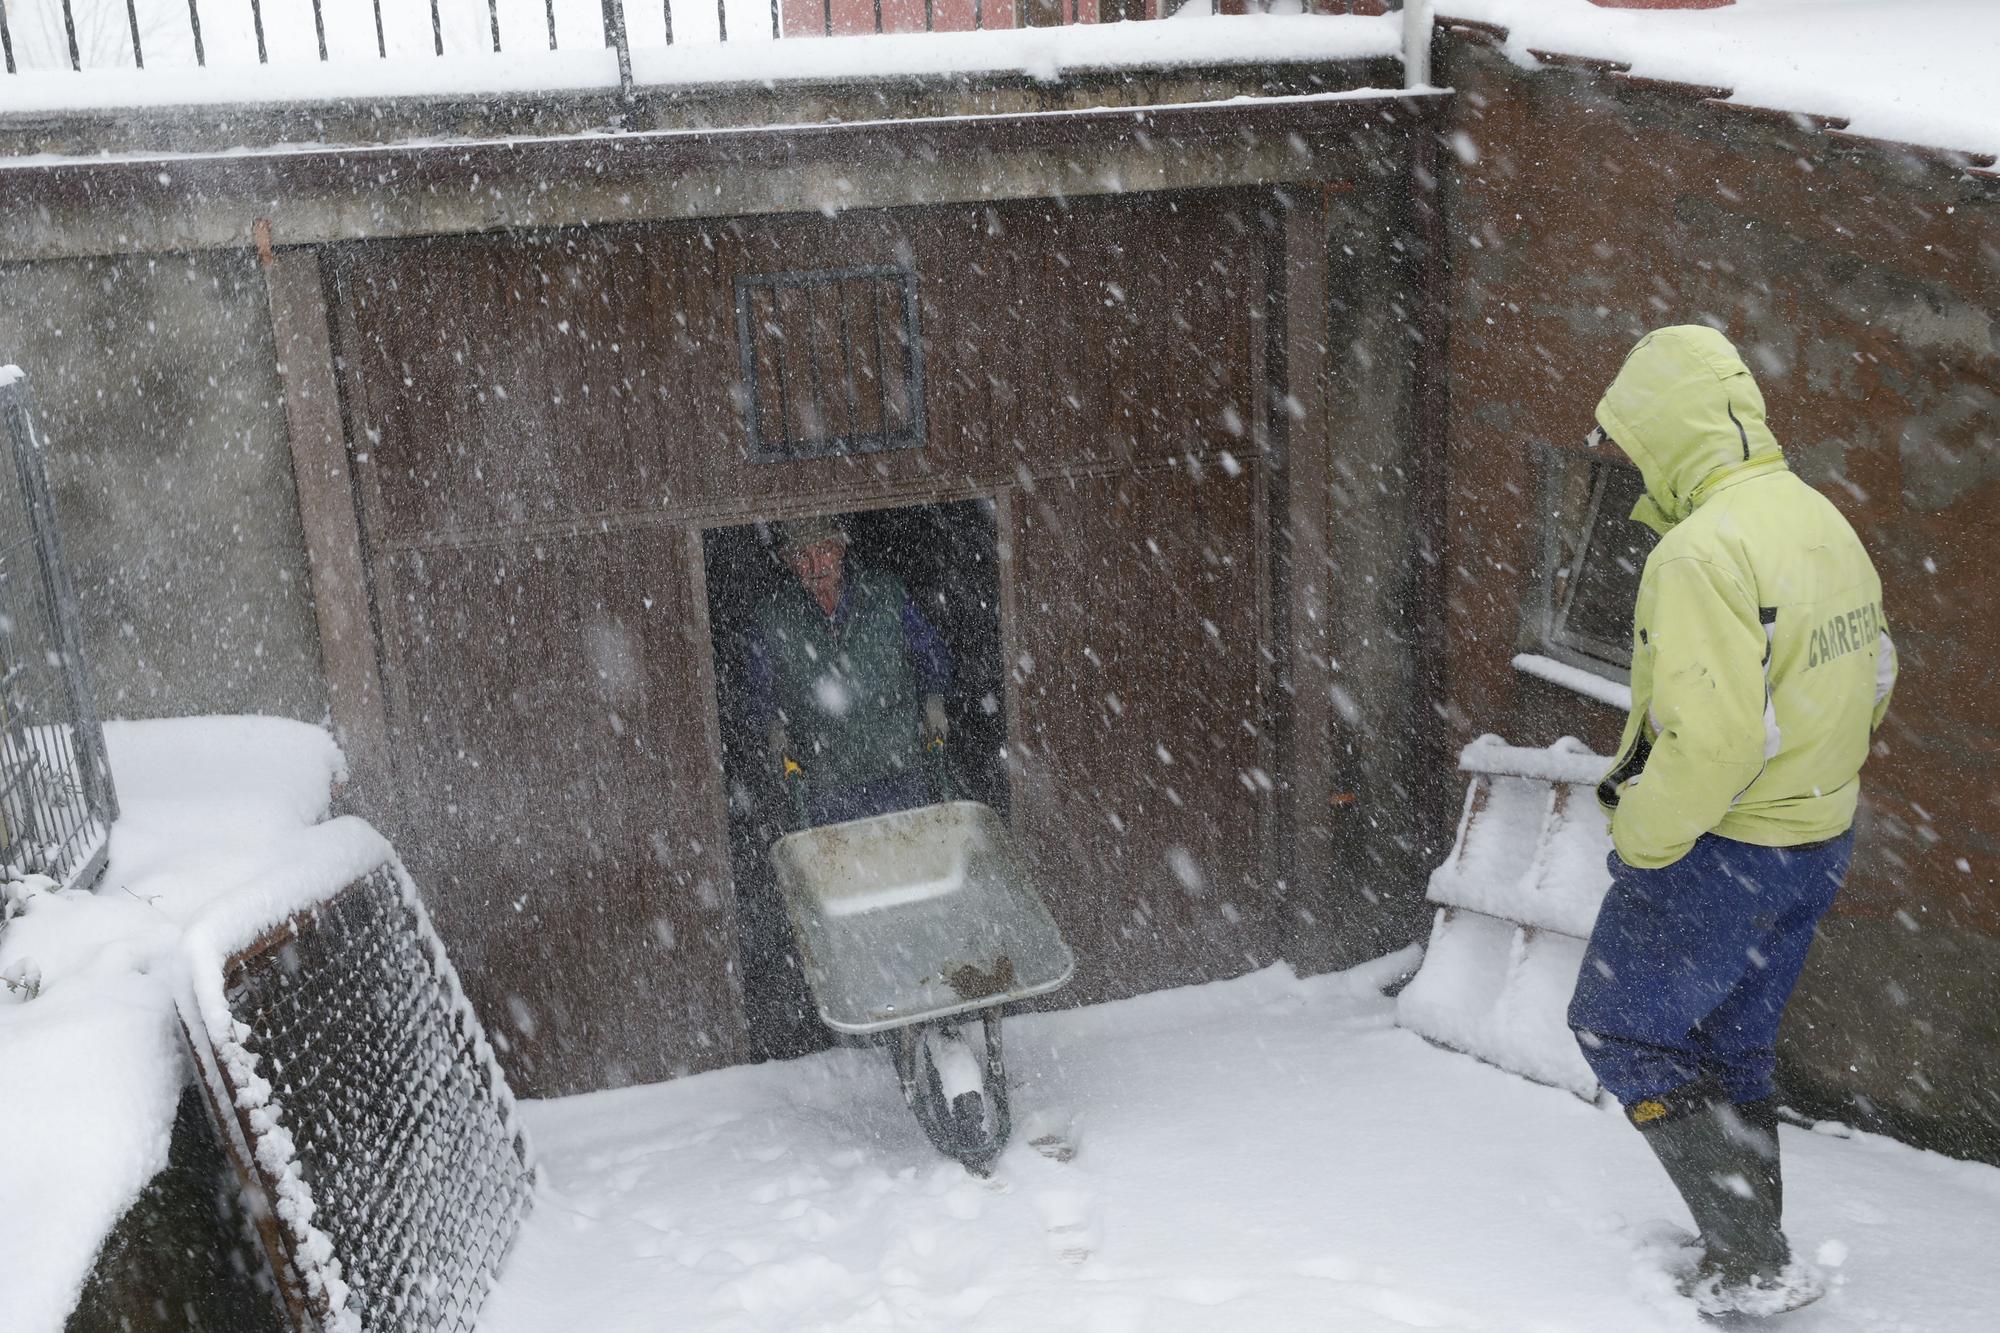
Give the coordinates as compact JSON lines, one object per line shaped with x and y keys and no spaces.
{"x":1045,"y":54}
{"x":1568,"y":761}
{"x":91,"y":1069}
{"x":1586,"y":683}
{"x":1907,"y":71}
{"x":1140,"y":115}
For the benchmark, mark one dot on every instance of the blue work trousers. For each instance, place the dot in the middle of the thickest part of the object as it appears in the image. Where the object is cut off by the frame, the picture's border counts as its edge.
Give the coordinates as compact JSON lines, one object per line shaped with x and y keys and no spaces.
{"x":1690,"y":966}
{"x":863,"y":800}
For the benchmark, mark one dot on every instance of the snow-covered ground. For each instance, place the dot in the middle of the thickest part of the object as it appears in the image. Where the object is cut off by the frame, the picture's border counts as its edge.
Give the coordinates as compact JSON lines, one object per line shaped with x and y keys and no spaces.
{"x":1260,"y":1153}
{"x":1265,"y":1153}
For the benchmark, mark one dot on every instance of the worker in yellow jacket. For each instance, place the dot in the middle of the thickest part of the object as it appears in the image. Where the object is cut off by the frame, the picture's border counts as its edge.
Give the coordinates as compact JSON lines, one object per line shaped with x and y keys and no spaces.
{"x":1761,"y":666}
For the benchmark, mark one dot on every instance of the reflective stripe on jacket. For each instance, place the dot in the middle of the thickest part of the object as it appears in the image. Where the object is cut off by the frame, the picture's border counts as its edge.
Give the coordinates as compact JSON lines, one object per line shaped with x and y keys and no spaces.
{"x":1761,"y":658}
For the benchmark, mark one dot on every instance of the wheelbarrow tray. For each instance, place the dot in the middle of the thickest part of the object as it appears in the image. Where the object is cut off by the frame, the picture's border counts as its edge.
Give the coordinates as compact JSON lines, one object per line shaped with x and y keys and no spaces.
{"x":917,"y":915}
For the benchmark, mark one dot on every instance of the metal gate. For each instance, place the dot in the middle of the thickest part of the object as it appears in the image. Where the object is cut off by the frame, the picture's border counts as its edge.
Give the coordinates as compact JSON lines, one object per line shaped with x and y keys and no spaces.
{"x":56,"y":798}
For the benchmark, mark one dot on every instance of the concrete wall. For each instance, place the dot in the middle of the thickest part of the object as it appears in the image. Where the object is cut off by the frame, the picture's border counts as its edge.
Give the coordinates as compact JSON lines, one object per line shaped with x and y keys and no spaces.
{"x":1864,"y":285}
{"x":1385,"y":811}
{"x":156,"y":387}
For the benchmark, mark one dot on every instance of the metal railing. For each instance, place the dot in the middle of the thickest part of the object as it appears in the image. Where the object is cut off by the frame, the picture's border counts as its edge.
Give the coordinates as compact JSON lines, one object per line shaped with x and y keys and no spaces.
{"x":56,"y":797}
{"x":80,"y":35}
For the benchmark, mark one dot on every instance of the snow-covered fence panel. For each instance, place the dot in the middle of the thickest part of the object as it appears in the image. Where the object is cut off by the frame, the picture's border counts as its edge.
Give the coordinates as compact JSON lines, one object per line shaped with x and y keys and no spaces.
{"x":371,"y":1127}
{"x":57,"y":54}
{"x":1516,"y":901}
{"x":56,"y":797}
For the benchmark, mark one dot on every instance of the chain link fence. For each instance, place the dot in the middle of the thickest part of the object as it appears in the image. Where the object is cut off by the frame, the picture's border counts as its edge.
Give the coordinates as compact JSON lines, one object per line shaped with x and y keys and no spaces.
{"x":364,"y":1107}
{"x":56,"y":796}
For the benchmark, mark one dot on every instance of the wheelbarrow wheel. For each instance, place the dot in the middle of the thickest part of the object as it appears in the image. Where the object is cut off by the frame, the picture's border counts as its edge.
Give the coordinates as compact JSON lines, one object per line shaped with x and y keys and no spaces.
{"x":971,"y":1125}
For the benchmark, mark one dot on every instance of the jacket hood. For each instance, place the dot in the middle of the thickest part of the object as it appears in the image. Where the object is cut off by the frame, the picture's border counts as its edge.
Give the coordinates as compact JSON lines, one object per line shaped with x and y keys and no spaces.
{"x":1686,"y":411}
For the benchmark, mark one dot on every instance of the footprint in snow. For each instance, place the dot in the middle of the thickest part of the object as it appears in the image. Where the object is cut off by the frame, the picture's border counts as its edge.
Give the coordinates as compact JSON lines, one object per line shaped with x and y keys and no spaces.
{"x":966,"y":1202}
{"x":789,"y":1286}
{"x":1206,"y":1290}
{"x":1332,"y":1267}
{"x":1406,"y":1309}
{"x":1050,"y":1131}
{"x":1072,"y":1224}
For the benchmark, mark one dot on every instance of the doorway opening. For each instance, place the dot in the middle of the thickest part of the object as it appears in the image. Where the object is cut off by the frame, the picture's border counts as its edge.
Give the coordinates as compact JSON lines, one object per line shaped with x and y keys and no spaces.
{"x":945,"y":556}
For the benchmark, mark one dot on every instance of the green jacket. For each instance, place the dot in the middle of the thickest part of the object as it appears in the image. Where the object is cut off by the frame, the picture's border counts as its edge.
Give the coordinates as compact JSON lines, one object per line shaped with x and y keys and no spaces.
{"x":1761,"y":660}
{"x":844,"y":689}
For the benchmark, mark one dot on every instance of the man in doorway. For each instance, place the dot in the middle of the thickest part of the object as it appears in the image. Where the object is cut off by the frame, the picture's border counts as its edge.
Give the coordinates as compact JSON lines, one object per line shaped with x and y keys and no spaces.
{"x":1761,"y":666}
{"x":847,"y":678}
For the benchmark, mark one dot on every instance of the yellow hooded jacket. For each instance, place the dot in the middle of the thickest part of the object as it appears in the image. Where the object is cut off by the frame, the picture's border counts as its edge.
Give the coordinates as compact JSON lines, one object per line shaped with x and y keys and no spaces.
{"x":1761,"y":660}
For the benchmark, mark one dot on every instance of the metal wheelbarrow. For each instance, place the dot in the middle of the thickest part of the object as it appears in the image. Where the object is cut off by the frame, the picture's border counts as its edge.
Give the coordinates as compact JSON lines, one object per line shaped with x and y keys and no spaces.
{"x":907,"y":925}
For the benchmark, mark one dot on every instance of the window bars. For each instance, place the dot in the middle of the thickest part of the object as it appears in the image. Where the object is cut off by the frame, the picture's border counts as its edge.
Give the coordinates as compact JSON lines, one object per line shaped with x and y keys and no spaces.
{"x":56,"y":797}
{"x":832,"y":362}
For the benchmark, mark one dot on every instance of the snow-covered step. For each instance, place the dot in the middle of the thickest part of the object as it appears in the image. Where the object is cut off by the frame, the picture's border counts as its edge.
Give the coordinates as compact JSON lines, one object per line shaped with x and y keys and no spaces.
{"x":1516,"y":900}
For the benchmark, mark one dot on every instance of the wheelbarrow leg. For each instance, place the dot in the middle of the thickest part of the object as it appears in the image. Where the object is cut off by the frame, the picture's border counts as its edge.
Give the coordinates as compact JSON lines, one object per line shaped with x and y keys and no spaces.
{"x":969,"y":1123}
{"x":996,"y":1082}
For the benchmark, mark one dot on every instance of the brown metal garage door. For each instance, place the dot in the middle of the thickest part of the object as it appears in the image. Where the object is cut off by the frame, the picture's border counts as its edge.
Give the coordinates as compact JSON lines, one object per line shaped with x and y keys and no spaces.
{"x":543,"y":425}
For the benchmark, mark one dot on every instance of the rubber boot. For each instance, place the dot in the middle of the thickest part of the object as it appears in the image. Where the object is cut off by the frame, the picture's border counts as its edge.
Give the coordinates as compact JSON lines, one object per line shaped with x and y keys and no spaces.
{"x":1726,"y":1178}
{"x":1757,"y":1122}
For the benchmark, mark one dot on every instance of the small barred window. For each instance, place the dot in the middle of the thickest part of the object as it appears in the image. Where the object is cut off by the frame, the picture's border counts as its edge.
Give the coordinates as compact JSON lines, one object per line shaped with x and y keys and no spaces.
{"x":832,"y":362}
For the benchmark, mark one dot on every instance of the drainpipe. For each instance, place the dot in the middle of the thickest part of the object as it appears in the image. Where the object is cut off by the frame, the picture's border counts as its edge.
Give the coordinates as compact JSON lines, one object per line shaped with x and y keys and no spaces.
{"x":1417,"y":23}
{"x":1426,"y":588}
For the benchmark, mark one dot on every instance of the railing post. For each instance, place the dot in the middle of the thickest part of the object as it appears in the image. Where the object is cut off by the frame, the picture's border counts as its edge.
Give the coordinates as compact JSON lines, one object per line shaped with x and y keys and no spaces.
{"x":132,"y":20}
{"x":614,"y":37}
{"x":1417,"y":23}
{"x":69,"y":27}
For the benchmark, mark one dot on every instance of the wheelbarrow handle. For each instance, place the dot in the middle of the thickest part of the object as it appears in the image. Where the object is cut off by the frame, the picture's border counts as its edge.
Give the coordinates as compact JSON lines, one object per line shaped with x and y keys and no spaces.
{"x":943,"y":788}
{"x":793,"y":777}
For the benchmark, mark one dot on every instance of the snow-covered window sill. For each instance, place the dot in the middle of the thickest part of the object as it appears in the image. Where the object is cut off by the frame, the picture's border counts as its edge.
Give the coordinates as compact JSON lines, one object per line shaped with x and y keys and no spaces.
{"x":1584,"y":682}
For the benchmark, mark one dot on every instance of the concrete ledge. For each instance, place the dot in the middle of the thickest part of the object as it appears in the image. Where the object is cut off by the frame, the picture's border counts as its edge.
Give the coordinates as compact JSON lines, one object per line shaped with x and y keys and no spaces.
{"x":321,"y":193}
{"x":806,"y":98}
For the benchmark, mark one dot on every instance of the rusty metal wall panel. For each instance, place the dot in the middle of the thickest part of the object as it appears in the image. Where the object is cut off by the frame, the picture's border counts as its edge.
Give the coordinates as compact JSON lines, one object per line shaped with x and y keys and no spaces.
{"x":567,"y":799}
{"x":1138,"y":743}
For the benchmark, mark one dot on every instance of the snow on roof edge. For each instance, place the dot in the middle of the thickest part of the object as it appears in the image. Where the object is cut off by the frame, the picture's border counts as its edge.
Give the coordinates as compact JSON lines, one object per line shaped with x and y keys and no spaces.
{"x":1934,"y":123}
{"x":1138,"y":112}
{"x":1044,"y":54}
